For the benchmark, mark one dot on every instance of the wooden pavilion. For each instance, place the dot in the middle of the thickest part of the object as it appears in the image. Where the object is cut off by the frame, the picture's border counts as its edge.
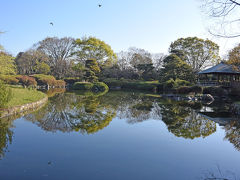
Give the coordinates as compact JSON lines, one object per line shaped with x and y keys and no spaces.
{"x":220,"y":75}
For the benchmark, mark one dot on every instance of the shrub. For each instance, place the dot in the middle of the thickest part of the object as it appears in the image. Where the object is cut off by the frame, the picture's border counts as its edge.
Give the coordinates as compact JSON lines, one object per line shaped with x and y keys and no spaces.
{"x":187,"y":89}
{"x":215,"y":91}
{"x":180,"y":82}
{"x":132,"y":84}
{"x":43,"y":79}
{"x":160,"y":87}
{"x":72,"y":80}
{"x":9,"y":79}
{"x":27,"y":81}
{"x":196,"y":89}
{"x":183,"y":90}
{"x":235,"y":92}
{"x":100,"y":87}
{"x":171,"y":84}
{"x":59,"y":83}
{"x":111,"y":82}
{"x":5,"y":94}
{"x":82,"y":86}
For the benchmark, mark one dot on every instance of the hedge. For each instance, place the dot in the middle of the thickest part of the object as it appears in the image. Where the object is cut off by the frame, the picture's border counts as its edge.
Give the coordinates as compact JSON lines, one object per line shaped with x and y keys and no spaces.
{"x":100,"y":87}
{"x":43,"y":79}
{"x":214,"y":90}
{"x":95,"y":87}
{"x":82,"y":86}
{"x":189,"y":89}
{"x":9,"y":79}
{"x":27,"y":81}
{"x":132,"y":84}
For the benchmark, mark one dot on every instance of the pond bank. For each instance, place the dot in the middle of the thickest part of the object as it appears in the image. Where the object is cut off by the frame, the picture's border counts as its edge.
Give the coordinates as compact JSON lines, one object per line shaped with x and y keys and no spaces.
{"x":4,"y":112}
{"x":23,"y":100}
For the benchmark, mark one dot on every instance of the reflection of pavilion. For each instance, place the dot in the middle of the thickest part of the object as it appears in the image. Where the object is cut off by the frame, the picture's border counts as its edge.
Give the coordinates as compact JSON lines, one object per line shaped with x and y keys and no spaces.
{"x":220,"y":75}
{"x":229,"y":124}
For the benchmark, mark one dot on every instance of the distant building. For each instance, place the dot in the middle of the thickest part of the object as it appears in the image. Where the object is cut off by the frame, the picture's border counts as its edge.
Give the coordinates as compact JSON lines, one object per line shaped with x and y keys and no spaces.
{"x":220,"y":75}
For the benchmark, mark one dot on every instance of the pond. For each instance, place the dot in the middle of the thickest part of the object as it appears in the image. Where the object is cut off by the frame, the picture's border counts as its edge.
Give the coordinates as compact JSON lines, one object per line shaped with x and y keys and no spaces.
{"x":120,"y":135}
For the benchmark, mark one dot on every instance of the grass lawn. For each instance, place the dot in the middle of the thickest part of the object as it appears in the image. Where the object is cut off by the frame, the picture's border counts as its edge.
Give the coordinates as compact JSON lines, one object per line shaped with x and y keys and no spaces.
{"x":22,"y":96}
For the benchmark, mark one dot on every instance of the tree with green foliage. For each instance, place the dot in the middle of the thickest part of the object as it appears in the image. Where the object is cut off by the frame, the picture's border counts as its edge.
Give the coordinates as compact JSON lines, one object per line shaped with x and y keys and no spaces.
{"x":147,"y":71}
{"x":91,"y":47}
{"x":26,"y":61}
{"x":71,"y":112}
{"x":91,"y":70}
{"x":6,"y":136}
{"x":78,"y":69}
{"x":60,"y":54}
{"x":5,"y":94}
{"x":183,"y":121}
{"x":175,"y":68}
{"x":7,"y":65}
{"x":41,"y":68}
{"x":198,"y":53}
{"x":234,"y":56}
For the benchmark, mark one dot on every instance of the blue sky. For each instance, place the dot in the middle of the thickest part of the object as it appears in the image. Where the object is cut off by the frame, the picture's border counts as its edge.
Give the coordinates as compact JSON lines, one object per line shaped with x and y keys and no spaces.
{"x":147,"y":24}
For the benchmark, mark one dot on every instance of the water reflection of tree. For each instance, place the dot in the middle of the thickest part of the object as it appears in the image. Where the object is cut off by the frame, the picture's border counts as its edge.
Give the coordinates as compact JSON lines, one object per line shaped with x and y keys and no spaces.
{"x":89,"y":113}
{"x":6,"y":135}
{"x":132,"y":106}
{"x":232,"y":130}
{"x":69,"y":112}
{"x":181,"y":118}
{"x":183,"y":121}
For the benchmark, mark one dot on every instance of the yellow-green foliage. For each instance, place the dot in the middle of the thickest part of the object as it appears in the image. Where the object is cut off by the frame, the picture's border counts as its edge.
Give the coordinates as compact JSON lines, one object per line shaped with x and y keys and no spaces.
{"x":171,"y":84}
{"x":5,"y":94}
{"x":82,"y":86}
{"x":7,"y":65}
{"x":22,"y":96}
{"x":43,"y":79}
{"x":100,"y":87}
{"x":95,"y":87}
{"x":42,"y":68}
{"x":93,"y":126}
{"x":91,"y":47}
{"x":9,"y":79}
{"x":53,"y":91}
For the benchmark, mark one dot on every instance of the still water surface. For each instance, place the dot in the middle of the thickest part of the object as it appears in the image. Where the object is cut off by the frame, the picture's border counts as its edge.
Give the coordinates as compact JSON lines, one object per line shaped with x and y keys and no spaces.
{"x":120,"y":136}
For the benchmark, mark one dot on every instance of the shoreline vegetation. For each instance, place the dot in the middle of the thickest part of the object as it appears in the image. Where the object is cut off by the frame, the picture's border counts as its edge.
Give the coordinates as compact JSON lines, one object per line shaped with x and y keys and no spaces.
{"x":21,"y":96}
{"x":21,"y":100}
{"x":89,"y":64}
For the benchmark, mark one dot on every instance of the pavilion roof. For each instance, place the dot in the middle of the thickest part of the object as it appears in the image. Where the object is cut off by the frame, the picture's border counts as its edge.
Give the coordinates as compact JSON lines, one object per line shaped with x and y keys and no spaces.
{"x":222,"y":68}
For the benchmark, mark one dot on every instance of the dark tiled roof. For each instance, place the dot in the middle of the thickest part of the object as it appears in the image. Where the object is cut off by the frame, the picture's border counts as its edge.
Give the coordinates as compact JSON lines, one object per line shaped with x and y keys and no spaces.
{"x":222,"y":68}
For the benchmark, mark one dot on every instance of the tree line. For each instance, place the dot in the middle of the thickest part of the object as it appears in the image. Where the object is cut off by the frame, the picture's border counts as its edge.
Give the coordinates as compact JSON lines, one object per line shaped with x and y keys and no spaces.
{"x":91,"y":59}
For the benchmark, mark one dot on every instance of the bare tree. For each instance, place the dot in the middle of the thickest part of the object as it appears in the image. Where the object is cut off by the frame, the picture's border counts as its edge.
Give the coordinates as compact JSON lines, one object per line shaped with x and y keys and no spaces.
{"x":124,"y":58}
{"x":157,"y":59}
{"x":225,"y":18}
{"x":60,"y":53}
{"x":139,"y":56}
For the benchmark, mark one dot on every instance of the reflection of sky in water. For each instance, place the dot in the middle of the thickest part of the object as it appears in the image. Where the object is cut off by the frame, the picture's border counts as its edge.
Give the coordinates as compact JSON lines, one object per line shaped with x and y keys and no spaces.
{"x":128,"y":148}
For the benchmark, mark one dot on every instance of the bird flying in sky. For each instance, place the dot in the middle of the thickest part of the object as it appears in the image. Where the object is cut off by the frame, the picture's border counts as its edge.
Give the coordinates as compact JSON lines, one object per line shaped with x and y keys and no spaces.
{"x":99,"y":5}
{"x":51,"y":23}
